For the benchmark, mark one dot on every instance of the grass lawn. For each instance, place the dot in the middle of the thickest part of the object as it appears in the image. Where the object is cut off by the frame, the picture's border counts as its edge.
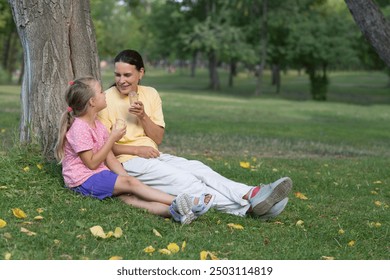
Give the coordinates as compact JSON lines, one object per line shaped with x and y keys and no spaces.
{"x":336,"y":152}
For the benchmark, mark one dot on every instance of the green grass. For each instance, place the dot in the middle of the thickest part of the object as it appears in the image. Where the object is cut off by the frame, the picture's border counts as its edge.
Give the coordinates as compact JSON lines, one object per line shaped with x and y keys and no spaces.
{"x":336,"y":153}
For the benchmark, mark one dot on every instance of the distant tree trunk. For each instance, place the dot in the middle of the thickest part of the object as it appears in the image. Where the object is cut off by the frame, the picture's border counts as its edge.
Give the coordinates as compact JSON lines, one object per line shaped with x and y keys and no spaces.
{"x":318,"y":83}
{"x":263,"y":51}
{"x":213,"y":71}
{"x":193,"y":63}
{"x":373,"y":25}
{"x":276,"y":77}
{"x":59,"y":45}
{"x":232,"y":72}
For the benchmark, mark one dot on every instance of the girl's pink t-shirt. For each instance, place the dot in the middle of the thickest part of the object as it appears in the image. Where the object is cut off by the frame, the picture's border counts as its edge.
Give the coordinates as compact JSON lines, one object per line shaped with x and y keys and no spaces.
{"x":79,"y":138}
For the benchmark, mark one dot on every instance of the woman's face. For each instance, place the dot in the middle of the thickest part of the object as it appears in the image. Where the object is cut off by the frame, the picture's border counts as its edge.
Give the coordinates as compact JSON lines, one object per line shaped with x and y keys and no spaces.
{"x":127,"y":77}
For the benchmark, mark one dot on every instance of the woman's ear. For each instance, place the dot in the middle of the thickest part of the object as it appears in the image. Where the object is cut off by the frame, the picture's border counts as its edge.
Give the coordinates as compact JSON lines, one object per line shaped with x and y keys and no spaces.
{"x":141,"y":73}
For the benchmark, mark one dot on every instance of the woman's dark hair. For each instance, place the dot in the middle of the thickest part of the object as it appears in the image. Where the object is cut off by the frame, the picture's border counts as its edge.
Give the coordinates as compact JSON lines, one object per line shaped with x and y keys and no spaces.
{"x":130,"y":57}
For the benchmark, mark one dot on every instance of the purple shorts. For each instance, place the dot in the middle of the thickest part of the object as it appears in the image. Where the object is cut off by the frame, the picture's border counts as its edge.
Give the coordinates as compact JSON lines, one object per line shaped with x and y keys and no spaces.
{"x":100,"y":185}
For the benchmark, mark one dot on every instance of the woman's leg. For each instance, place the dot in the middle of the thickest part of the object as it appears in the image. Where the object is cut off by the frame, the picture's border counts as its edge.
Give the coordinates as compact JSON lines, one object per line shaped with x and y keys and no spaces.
{"x":163,"y":174}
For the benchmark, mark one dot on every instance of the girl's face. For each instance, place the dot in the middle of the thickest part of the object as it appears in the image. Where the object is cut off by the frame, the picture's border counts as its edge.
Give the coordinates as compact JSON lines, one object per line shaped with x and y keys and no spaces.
{"x":100,"y":97}
{"x":127,"y":77}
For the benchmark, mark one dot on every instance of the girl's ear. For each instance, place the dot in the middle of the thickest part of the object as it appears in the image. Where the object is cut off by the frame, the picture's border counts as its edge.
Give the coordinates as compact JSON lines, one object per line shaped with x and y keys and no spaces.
{"x":91,"y":101}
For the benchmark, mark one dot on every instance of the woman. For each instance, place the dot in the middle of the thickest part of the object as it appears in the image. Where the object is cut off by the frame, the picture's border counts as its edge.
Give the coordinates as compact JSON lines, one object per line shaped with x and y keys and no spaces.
{"x":139,"y":154}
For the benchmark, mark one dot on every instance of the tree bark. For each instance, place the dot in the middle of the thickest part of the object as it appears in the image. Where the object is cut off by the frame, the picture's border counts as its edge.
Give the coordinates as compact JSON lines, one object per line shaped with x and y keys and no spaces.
{"x":373,"y":25}
{"x":59,"y":45}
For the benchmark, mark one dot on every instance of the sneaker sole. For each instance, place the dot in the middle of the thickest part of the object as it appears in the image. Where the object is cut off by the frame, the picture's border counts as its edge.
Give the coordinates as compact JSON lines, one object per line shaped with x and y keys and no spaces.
{"x":275,"y":210}
{"x":279,"y":193}
{"x":185,"y":209}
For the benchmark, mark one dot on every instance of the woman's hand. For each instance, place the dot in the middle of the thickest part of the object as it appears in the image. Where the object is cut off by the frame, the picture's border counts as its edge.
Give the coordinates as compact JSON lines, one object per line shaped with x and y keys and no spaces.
{"x":147,"y":152}
{"x":137,"y":109}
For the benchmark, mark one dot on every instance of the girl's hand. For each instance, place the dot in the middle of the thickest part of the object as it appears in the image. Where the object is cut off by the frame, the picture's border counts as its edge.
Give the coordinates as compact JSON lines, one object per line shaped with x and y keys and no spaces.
{"x":117,"y":133}
{"x":137,"y":109}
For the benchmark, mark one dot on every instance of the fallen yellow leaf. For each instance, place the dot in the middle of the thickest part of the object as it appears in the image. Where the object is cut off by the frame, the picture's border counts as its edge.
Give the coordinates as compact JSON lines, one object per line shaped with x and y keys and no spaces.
{"x":351,"y":243}
{"x":235,"y":226}
{"x":183,"y":246}
{"x":98,"y":231}
{"x":378,"y":203}
{"x":165,"y":251}
{"x":3,"y":223}
{"x":245,"y":164}
{"x":149,"y":249}
{"x":116,"y":258}
{"x":341,"y":231}
{"x":19,"y":213}
{"x":378,"y":182}
{"x":327,"y":258}
{"x":7,"y":256}
{"x":300,"y":223}
{"x":26,"y":231}
{"x":156,"y":233}
{"x":40,"y":166}
{"x":375,"y":224}
{"x":300,"y":196}
{"x":26,"y":169}
{"x":118,"y":232}
{"x":213,"y":257}
{"x":173,"y":247}
{"x":205,"y":254}
{"x":38,"y":218}
{"x":39,"y":210}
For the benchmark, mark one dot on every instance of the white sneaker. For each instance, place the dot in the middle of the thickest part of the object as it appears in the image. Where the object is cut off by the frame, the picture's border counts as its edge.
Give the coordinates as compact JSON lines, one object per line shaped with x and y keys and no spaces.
{"x":269,"y":195}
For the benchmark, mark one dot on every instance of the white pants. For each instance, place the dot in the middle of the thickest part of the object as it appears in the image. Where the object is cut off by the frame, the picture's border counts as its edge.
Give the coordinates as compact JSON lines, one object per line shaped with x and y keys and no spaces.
{"x":175,"y":175}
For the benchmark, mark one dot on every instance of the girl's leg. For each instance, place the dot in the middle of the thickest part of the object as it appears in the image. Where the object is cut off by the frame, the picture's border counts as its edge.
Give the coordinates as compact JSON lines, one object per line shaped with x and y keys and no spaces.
{"x":131,"y":185}
{"x":134,"y":192}
{"x":156,"y":208}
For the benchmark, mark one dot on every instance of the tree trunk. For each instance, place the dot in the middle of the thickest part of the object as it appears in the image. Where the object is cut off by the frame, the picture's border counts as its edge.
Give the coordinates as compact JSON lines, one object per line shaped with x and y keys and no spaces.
{"x":373,"y":25}
{"x":59,"y":45}
{"x":213,"y":72}
{"x":193,"y":63}
{"x":232,"y":72}
{"x":276,"y":80}
{"x":263,"y":51}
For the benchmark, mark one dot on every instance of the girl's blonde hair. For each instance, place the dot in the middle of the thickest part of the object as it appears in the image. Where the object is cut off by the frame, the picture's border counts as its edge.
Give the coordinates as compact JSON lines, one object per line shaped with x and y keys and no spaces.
{"x":77,"y":96}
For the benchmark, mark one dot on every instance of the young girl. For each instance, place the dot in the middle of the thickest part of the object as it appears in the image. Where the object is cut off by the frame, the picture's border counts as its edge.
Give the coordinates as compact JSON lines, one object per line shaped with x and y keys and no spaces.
{"x":90,"y":168}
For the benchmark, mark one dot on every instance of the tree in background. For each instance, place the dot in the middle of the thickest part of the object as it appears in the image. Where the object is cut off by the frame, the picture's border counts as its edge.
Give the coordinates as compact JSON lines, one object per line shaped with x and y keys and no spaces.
{"x":59,"y":44}
{"x":119,"y":26}
{"x":10,"y":49}
{"x":320,"y":38}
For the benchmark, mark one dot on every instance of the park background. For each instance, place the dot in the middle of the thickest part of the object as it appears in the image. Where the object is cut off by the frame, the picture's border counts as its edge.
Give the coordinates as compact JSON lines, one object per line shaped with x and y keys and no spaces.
{"x":310,"y":100}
